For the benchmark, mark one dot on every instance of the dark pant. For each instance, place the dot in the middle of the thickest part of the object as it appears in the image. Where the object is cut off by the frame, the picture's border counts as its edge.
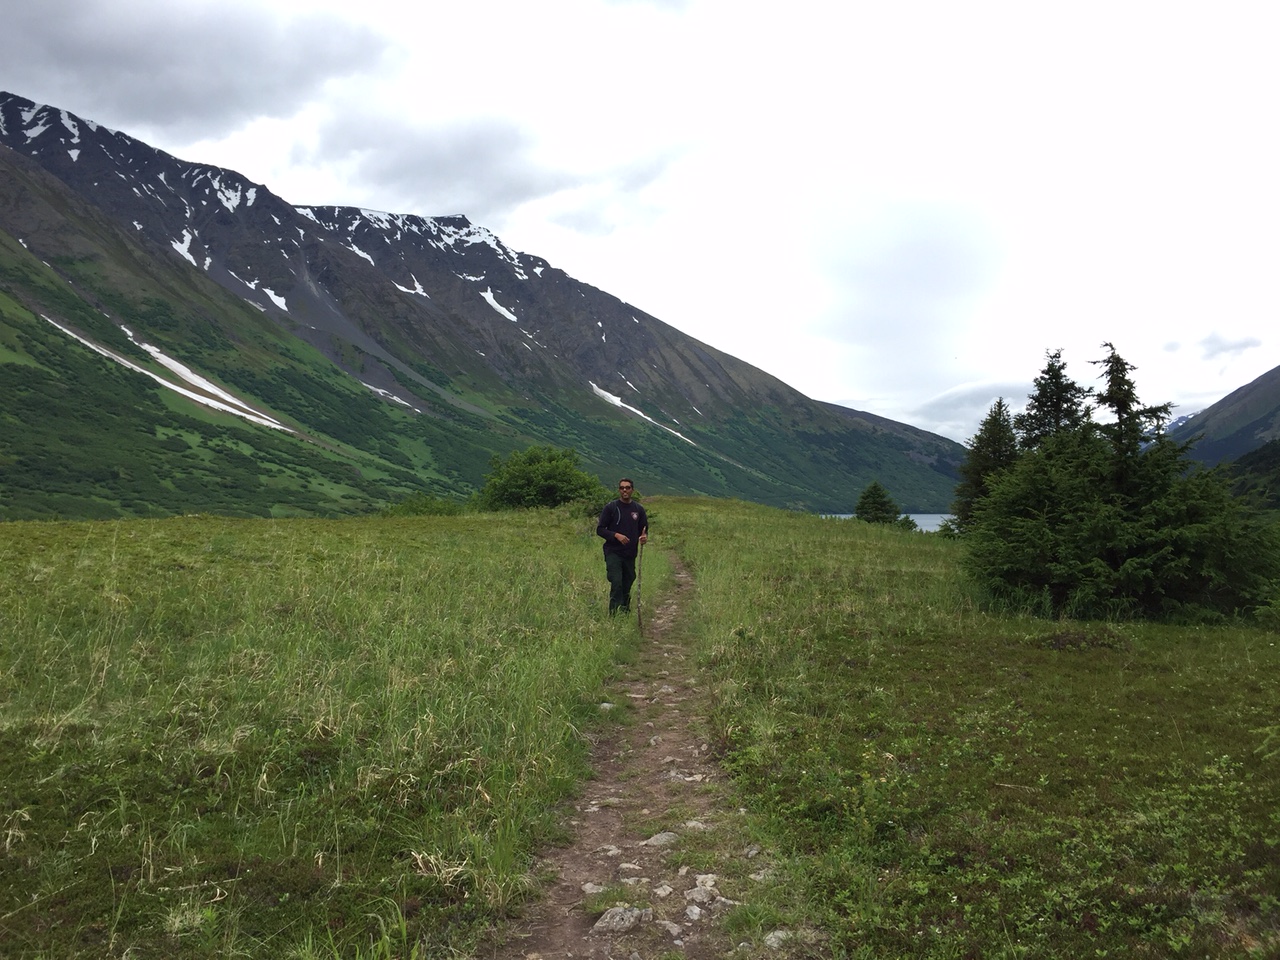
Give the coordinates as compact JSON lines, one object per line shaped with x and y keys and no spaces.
{"x":622,"y":574}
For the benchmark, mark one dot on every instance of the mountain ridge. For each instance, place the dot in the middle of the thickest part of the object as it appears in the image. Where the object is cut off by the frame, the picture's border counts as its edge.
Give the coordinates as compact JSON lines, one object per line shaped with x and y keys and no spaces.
{"x":1239,"y":423}
{"x":435,"y":317}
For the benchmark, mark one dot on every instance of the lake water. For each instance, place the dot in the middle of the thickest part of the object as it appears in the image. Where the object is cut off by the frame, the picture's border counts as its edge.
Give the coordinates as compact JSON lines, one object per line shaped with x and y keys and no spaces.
{"x":927,"y":522}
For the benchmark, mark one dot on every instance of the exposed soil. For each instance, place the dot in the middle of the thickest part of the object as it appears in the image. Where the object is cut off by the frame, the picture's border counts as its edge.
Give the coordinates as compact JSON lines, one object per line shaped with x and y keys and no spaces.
{"x":654,"y":776}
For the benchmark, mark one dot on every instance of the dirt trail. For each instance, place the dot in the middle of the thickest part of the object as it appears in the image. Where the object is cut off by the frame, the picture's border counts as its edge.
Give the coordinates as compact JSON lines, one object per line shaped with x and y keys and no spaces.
{"x":655,"y":795}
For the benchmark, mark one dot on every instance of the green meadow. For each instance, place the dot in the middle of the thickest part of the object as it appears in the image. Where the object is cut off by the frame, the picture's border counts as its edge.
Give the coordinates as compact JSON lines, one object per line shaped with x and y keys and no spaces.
{"x":348,"y":738}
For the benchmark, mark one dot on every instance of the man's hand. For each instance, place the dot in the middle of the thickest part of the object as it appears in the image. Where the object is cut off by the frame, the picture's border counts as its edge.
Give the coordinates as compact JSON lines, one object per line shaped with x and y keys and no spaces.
{"x":623,"y":539}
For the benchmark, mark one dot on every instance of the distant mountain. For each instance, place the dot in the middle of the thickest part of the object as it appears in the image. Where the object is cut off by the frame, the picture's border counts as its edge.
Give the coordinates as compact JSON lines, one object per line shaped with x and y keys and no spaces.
{"x":289,"y":359}
{"x":1241,"y":422}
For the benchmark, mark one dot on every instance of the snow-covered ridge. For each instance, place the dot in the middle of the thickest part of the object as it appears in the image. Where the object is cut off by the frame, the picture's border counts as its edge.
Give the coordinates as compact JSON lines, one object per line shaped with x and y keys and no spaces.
{"x":36,"y":118}
{"x":445,"y":233}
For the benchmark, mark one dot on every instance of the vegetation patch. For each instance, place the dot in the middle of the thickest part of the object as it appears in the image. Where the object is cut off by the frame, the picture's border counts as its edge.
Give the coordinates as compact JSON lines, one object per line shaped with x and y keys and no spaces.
{"x":1086,"y":637}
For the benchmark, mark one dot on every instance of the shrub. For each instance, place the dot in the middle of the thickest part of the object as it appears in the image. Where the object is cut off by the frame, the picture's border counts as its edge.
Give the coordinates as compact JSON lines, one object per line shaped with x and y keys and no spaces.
{"x":539,"y":477}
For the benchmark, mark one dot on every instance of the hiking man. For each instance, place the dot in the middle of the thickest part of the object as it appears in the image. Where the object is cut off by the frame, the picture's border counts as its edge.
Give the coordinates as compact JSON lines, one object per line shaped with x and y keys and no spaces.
{"x":624,"y":526}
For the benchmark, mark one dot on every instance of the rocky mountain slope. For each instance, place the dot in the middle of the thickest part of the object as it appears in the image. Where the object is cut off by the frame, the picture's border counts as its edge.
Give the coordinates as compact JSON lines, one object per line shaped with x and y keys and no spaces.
{"x":399,"y":352}
{"x":1239,"y":423}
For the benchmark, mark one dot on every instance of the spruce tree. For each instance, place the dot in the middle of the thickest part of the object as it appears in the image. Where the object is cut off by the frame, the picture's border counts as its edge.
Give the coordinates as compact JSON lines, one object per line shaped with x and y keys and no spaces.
{"x":876,"y":506}
{"x":1133,"y":425}
{"x":994,"y":448}
{"x":1112,"y":520}
{"x":1057,"y":403}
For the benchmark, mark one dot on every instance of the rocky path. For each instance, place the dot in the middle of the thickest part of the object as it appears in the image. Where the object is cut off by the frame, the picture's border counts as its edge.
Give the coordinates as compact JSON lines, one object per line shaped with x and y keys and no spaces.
{"x":653,"y":844}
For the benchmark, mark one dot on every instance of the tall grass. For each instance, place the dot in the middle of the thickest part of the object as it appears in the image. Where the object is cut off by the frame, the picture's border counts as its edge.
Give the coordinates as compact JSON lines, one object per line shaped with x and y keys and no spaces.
{"x":346,"y":738}
{"x":252,"y":738}
{"x":944,"y":783}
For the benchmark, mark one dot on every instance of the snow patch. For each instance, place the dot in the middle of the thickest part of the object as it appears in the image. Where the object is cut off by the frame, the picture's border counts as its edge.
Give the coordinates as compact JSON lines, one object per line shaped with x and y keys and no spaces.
{"x":33,"y":132}
{"x":417,"y":287}
{"x":70,"y":124}
{"x":360,"y":253}
{"x":617,"y":402}
{"x":488,"y":295}
{"x":230,"y":198}
{"x":220,"y":399}
{"x":183,"y":247}
{"x":390,"y":396}
{"x":276,"y":299}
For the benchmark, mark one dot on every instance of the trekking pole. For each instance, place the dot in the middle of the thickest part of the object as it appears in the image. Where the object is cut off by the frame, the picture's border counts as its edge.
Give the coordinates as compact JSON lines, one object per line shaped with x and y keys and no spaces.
{"x":639,"y":584}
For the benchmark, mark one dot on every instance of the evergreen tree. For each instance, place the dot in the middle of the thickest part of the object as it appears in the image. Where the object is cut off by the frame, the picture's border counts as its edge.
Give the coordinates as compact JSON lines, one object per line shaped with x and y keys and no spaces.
{"x":876,"y":506}
{"x":1133,"y":424}
{"x":1057,"y":403}
{"x":1111,"y":520}
{"x":992,"y":449}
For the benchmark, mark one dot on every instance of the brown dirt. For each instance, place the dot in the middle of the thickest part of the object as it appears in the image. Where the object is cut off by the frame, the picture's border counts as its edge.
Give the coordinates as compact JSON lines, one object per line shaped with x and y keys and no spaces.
{"x":653,"y":773}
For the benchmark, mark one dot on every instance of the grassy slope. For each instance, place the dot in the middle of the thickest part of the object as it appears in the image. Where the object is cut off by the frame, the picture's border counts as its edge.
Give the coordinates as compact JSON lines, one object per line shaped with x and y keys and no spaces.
{"x":84,"y":438}
{"x":318,"y":738}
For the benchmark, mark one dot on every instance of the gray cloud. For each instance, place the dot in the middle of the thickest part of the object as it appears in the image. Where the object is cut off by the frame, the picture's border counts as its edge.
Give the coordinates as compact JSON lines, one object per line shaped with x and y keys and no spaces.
{"x":957,"y":413}
{"x":480,"y":168}
{"x":483,"y":168}
{"x":193,"y":69}
{"x":1215,"y":345}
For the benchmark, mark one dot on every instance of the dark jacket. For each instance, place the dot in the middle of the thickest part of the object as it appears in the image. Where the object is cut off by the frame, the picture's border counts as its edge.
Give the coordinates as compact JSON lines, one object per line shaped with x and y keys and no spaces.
{"x":628,"y":519}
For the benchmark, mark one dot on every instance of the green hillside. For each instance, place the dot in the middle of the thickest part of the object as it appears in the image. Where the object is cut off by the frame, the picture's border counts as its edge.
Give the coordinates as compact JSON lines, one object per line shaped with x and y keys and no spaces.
{"x":89,"y":438}
{"x":386,"y":390}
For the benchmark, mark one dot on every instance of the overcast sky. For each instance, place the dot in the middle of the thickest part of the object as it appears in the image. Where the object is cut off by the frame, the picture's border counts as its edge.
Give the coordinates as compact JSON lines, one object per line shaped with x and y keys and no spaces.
{"x":898,"y":206}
